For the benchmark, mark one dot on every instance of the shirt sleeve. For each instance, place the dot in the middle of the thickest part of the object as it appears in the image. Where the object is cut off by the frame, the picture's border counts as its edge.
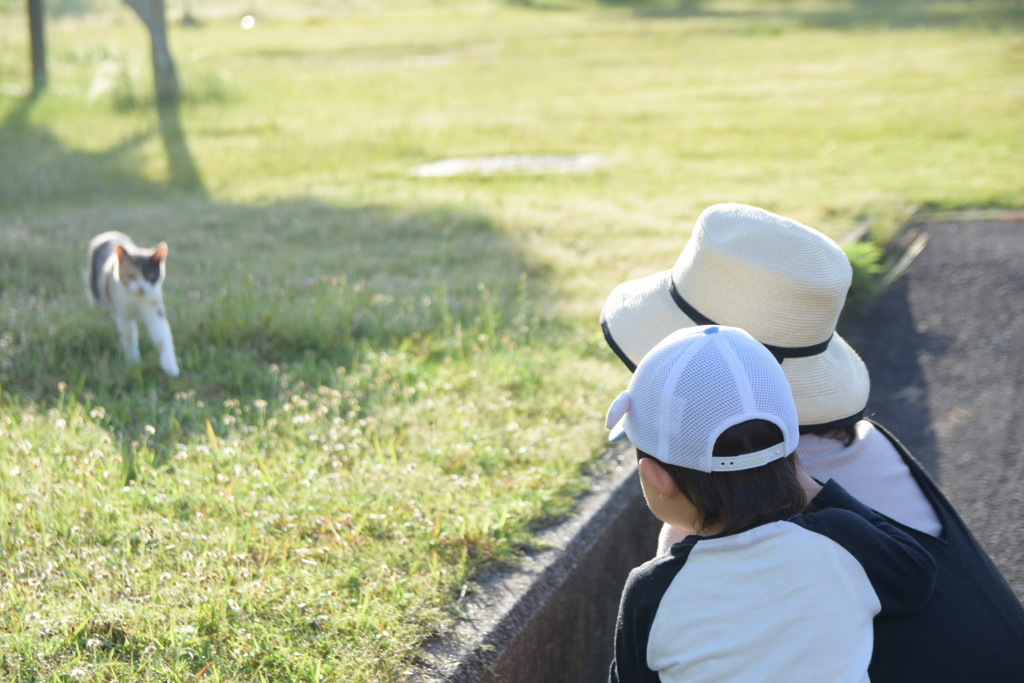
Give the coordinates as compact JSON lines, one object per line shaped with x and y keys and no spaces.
{"x":641,"y":597}
{"x":900,"y":570}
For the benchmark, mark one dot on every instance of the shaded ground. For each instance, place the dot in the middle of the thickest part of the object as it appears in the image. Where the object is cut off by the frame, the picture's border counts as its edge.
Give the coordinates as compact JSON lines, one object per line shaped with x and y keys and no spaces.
{"x":944,"y":349}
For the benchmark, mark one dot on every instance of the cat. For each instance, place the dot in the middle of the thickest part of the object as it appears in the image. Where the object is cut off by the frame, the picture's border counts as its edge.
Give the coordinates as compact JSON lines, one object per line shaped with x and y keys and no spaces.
{"x":127,"y":280}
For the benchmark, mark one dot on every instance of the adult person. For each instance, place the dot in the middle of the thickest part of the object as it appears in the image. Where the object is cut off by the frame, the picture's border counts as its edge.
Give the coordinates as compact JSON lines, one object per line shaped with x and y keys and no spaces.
{"x":786,"y":283}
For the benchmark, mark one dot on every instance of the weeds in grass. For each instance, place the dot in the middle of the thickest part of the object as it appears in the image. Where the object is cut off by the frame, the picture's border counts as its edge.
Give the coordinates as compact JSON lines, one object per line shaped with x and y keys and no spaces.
{"x":866,"y":257}
{"x":388,"y":381}
{"x":220,"y":529}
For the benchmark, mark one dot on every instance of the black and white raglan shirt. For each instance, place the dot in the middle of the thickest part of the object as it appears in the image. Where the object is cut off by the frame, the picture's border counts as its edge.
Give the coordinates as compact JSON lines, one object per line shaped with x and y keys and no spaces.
{"x":791,"y":600}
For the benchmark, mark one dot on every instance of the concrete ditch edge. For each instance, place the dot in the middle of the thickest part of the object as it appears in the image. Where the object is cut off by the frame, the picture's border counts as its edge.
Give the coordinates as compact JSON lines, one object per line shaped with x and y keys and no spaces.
{"x":539,"y":621}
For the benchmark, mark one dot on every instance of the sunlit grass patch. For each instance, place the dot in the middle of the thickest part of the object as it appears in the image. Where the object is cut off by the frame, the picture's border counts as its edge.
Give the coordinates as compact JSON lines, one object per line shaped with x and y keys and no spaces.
{"x":390,"y":381}
{"x":234,"y":531}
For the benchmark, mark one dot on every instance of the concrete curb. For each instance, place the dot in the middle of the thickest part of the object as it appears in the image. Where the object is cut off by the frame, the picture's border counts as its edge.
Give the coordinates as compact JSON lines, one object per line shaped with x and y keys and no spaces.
{"x":540,"y":621}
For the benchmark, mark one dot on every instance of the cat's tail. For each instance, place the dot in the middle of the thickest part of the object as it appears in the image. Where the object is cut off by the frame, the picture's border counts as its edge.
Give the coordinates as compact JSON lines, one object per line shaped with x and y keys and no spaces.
{"x":99,"y":250}
{"x":90,"y":295}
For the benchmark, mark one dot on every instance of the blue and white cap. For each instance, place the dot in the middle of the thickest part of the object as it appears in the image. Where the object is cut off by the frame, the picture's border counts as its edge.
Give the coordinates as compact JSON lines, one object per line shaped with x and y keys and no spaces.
{"x":695,"y":384}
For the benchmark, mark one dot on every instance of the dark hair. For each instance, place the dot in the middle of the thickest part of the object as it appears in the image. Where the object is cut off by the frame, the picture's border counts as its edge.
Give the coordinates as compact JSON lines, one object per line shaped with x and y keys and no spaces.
{"x":739,"y":500}
{"x":845,"y":434}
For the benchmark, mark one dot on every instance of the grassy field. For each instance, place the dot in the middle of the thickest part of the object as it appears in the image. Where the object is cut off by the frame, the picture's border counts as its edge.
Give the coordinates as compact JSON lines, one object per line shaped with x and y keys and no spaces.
{"x":389,"y":380}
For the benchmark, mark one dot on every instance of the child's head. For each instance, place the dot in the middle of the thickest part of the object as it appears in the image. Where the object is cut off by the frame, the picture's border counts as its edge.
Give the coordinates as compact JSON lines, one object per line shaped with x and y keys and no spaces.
{"x":712,"y":414}
{"x":727,"y":503}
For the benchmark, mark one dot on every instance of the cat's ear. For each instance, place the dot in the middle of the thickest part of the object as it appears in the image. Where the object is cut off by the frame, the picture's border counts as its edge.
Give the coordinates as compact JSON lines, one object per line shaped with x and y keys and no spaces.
{"x":159,"y":253}
{"x":122,"y":254}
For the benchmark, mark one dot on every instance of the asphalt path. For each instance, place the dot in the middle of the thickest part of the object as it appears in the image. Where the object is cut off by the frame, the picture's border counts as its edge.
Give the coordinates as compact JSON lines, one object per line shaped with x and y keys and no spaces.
{"x":945,"y":348}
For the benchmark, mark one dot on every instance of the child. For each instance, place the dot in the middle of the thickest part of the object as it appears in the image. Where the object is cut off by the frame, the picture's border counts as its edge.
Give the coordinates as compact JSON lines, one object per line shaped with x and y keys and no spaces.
{"x":763,"y":591}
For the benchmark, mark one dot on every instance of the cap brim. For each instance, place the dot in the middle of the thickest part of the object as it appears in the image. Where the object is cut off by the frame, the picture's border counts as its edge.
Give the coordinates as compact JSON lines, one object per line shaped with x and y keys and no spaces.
{"x":615,"y":420}
{"x":618,"y":432}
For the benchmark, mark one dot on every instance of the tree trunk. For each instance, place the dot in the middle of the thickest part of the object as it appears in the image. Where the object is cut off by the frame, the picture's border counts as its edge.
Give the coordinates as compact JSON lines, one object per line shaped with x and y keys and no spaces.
{"x":37,"y":38}
{"x":165,"y":77}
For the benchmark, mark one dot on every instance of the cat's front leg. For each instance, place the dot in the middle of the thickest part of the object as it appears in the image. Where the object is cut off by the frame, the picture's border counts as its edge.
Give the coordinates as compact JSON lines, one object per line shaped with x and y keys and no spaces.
{"x":129,"y":332}
{"x":160,"y":332}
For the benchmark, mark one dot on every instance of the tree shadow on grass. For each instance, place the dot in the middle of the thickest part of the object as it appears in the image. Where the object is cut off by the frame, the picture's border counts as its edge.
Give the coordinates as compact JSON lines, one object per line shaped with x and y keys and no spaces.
{"x":857,"y":15}
{"x":180,"y":164}
{"x":37,"y":169}
{"x":255,"y":294}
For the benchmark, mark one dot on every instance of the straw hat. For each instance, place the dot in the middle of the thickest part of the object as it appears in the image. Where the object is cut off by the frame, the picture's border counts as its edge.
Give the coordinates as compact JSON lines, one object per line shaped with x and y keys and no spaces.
{"x":781,"y":281}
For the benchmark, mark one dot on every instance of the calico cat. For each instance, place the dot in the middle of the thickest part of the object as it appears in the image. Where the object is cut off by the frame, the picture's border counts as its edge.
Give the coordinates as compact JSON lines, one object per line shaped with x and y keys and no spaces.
{"x":126,"y":280}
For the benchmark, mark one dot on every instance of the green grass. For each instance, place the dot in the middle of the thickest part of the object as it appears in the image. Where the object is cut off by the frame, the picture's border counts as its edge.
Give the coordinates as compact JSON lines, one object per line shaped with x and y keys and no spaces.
{"x":388,"y":381}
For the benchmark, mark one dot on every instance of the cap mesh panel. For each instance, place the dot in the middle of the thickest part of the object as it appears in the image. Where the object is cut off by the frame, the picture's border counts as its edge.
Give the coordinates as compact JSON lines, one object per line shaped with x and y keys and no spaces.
{"x":695,"y":385}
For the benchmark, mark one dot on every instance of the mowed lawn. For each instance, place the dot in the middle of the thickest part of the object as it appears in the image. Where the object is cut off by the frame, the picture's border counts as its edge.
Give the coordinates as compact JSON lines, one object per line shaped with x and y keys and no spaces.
{"x":389,"y":380}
